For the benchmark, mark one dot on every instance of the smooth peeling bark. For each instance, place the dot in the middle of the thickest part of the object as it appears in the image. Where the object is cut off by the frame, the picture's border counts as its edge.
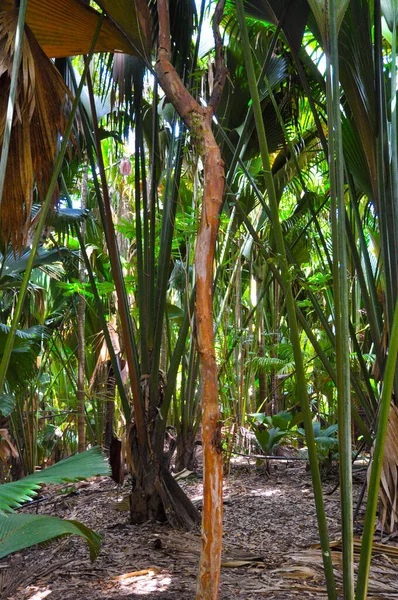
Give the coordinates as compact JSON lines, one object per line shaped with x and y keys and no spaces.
{"x":214,"y":180}
{"x":199,"y":122}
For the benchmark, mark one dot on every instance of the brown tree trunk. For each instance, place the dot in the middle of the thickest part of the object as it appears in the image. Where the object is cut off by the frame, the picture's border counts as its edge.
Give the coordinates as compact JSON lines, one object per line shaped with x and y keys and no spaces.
{"x":185,"y":458}
{"x":81,"y":321}
{"x":199,"y":121}
{"x":156,"y":493}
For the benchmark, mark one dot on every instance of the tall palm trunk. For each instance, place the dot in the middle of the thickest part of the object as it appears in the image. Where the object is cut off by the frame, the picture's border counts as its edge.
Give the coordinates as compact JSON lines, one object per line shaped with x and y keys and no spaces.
{"x":81,"y":321}
{"x":199,"y":122}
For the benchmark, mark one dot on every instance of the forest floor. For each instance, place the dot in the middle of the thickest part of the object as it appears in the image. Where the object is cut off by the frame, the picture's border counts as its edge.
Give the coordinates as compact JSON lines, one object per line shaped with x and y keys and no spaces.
{"x":269,"y":532}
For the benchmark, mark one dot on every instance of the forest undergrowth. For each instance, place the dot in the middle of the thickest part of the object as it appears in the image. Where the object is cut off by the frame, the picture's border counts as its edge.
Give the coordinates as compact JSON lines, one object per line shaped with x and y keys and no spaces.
{"x":269,"y":532}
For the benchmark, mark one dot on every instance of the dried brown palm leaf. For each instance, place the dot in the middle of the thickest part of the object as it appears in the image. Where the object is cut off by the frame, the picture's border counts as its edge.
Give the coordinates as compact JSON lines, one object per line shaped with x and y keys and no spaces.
{"x":67,"y":28}
{"x":389,"y":476}
{"x":7,"y":448}
{"x":39,"y":119}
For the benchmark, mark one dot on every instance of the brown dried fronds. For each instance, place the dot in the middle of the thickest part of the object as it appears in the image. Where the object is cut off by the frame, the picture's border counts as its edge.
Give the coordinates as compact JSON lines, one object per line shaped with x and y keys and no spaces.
{"x":388,"y":514}
{"x":39,"y":118}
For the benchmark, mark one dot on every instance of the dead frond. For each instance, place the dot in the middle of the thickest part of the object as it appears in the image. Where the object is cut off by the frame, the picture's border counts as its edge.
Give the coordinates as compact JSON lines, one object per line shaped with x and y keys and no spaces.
{"x":39,"y":118}
{"x":389,"y":476}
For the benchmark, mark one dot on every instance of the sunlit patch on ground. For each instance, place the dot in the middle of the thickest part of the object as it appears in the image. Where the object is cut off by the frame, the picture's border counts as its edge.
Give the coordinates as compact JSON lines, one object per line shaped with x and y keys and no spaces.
{"x":144,"y":582}
{"x":266,"y":493}
{"x":40,"y":593}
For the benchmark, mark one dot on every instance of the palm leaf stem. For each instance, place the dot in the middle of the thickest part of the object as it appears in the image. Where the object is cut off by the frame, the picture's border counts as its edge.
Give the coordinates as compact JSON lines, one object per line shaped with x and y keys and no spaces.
{"x":309,"y":333}
{"x":248,"y":317}
{"x":365,"y":374}
{"x":152,"y":209}
{"x":319,"y":231}
{"x":248,"y":125}
{"x":266,"y":208}
{"x":370,"y":279}
{"x":311,"y":295}
{"x":192,"y":401}
{"x":65,"y":365}
{"x":290,"y":306}
{"x":285,"y":134}
{"x":197,"y":43}
{"x":355,"y":384}
{"x":383,"y":183}
{"x":341,"y":300}
{"x":141,"y":232}
{"x":231,"y":282}
{"x":12,"y":94}
{"x":377,"y":463}
{"x":166,"y":234}
{"x":43,"y":215}
{"x":176,"y":357}
{"x":184,"y":412}
{"x":166,"y":239}
{"x":114,"y":360}
{"x":124,"y":311}
{"x":308,"y":94}
{"x":366,"y":298}
{"x":386,"y":219}
{"x":394,"y":152}
{"x":298,"y":169}
{"x":364,"y":429}
{"x":226,"y":241}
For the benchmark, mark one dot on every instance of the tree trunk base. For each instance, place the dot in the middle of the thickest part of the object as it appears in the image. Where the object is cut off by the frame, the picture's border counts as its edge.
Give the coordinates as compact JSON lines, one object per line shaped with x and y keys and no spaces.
{"x":166,"y":501}
{"x":186,"y":450}
{"x":156,"y":495}
{"x":146,"y":507}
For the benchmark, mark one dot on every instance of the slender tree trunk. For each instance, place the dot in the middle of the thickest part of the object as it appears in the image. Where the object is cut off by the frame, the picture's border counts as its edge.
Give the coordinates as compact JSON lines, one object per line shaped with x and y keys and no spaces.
{"x":199,"y":121}
{"x":109,"y":405}
{"x":274,"y":353}
{"x":81,"y":321}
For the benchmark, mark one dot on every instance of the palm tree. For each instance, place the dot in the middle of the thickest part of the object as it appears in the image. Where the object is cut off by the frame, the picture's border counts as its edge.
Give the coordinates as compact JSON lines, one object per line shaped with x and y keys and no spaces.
{"x":282,"y":211}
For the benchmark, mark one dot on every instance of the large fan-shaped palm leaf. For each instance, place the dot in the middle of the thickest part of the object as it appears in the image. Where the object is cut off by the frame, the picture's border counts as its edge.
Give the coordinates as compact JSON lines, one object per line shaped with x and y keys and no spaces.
{"x":77,"y":467}
{"x":18,"y":532}
{"x":67,"y":28}
{"x":21,"y":531}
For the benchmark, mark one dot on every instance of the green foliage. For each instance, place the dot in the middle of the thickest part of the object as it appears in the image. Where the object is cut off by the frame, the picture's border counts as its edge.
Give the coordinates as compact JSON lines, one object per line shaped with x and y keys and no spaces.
{"x":326,"y":441}
{"x":270,"y":431}
{"x":26,"y":348}
{"x":7,"y":404}
{"x":22,"y":531}
{"x":80,"y":466}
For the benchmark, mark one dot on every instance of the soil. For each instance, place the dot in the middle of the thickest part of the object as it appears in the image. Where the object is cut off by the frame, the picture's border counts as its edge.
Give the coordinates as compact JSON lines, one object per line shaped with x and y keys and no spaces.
{"x":269,"y":532}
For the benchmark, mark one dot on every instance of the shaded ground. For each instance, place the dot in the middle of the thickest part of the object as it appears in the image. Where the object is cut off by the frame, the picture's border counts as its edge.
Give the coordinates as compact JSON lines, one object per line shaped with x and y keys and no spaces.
{"x":269,"y":526}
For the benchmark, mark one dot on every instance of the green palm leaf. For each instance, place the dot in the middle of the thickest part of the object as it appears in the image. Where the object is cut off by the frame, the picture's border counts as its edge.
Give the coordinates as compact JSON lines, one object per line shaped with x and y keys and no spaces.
{"x":21,"y":531}
{"x":80,"y":466}
{"x":14,"y":265}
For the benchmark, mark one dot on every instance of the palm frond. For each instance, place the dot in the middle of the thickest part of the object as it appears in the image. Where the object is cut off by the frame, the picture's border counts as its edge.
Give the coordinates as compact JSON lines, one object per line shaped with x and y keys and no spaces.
{"x":264,"y":364}
{"x":67,"y":28}
{"x":388,"y":483}
{"x":25,"y":351}
{"x":77,"y":467}
{"x":22,"y":531}
{"x":291,"y":15}
{"x":39,"y":118}
{"x":32,"y":333}
{"x":15,"y":265}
